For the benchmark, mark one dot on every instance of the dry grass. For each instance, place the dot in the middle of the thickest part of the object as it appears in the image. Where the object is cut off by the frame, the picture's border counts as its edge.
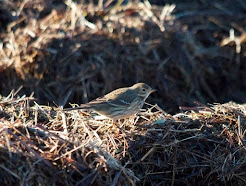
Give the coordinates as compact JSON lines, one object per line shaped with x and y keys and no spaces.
{"x":193,"y":51}
{"x":71,"y":51}
{"x":204,"y":145}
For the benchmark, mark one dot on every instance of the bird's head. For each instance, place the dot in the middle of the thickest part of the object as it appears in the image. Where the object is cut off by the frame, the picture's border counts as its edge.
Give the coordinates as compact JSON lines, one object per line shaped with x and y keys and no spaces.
{"x":143,"y":90}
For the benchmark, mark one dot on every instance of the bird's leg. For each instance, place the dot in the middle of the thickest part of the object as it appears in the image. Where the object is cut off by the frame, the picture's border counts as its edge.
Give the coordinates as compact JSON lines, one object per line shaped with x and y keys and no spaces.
{"x":116,"y":128}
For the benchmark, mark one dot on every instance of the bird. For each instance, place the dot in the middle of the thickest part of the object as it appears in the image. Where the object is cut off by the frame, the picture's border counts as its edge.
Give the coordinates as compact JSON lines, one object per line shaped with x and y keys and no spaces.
{"x":120,"y":103}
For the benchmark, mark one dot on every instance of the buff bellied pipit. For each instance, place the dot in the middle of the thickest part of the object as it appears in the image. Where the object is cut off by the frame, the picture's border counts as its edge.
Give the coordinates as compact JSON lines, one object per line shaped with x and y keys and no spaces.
{"x":120,"y":103}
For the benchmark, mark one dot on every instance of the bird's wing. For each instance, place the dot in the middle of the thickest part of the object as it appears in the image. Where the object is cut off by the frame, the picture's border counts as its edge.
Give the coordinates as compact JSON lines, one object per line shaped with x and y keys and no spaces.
{"x":123,"y":99}
{"x":119,"y":97}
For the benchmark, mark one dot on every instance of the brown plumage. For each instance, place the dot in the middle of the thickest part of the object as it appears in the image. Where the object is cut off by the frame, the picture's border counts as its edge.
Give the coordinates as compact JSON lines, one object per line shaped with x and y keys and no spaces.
{"x":120,"y":103}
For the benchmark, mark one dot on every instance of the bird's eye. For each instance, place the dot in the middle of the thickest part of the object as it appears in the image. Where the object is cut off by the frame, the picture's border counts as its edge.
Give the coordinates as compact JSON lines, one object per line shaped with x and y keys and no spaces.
{"x":144,"y":89}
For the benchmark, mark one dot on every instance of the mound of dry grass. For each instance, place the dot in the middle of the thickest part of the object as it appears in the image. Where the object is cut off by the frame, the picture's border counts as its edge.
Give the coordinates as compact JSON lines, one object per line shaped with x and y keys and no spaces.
{"x":72,"y":51}
{"x":189,"y":51}
{"x":204,"y":145}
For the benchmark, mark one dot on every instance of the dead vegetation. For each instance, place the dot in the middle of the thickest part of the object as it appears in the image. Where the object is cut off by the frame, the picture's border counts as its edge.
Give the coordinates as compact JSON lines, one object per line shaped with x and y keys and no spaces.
{"x":73,"y":51}
{"x":190,"y":51}
{"x":203,"y":145}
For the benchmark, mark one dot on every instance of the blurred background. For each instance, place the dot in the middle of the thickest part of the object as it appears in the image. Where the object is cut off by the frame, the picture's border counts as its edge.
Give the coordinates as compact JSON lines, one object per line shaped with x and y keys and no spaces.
{"x":74,"y":51}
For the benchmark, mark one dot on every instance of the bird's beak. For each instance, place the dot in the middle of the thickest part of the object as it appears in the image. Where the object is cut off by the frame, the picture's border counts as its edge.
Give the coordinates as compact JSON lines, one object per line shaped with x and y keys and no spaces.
{"x":153,"y":90}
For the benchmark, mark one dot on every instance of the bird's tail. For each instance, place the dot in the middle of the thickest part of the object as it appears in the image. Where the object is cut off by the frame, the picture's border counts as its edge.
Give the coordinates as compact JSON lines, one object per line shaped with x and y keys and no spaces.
{"x":84,"y":106}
